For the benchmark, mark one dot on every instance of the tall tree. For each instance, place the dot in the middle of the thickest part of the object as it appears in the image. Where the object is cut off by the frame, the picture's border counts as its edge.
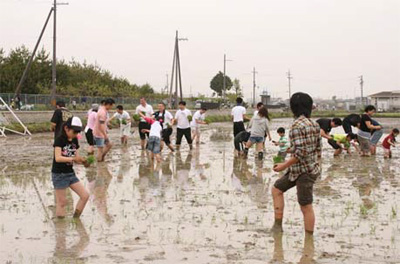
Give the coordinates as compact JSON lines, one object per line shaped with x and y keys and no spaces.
{"x":217,"y":83}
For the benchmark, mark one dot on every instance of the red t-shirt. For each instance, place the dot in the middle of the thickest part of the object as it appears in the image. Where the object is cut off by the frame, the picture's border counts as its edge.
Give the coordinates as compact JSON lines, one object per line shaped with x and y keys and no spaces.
{"x":385,"y":142}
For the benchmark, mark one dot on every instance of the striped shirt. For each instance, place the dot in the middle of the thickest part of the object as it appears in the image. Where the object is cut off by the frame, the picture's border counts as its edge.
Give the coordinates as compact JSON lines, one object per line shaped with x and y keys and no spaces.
{"x":305,"y":141}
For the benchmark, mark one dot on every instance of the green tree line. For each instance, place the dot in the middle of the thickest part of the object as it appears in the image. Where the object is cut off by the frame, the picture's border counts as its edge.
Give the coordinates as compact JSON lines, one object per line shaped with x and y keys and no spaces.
{"x":73,"y":78}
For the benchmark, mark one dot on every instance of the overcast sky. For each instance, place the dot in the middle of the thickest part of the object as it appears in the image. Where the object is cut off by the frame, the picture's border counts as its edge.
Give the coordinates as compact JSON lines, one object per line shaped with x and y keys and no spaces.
{"x":326,"y":44}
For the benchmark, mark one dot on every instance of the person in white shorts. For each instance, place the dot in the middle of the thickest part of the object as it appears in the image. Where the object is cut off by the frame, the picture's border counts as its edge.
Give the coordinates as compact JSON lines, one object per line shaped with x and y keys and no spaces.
{"x":124,"y":123}
{"x":197,"y":120}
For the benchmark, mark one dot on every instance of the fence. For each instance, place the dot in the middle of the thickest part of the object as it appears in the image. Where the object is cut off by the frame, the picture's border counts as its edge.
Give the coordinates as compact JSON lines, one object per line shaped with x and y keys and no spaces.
{"x":43,"y":102}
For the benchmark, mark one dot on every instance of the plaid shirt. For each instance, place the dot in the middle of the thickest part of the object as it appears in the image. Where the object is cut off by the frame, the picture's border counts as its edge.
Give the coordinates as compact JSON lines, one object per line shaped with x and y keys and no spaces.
{"x":305,"y":141}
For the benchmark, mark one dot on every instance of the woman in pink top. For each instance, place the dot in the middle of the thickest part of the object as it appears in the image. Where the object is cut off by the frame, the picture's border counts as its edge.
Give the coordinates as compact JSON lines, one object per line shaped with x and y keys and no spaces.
{"x":90,"y":126}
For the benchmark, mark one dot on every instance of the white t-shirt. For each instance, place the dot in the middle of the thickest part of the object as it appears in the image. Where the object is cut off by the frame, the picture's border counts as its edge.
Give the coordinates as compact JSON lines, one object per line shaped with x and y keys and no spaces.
{"x":124,"y":116}
{"x":181,"y":117}
{"x":155,"y":129}
{"x":197,"y":116}
{"x":167,"y":118}
{"x":237,"y":113}
{"x":148,"y":109}
{"x":255,"y":113}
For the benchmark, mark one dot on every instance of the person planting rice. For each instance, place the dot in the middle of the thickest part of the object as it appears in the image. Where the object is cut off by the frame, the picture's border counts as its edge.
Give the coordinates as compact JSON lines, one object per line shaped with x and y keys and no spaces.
{"x":352,"y":120}
{"x":340,"y":142}
{"x":389,"y":142}
{"x":326,"y":126}
{"x":366,"y":127}
{"x":144,"y":110}
{"x":259,"y":128}
{"x":66,"y":153}
{"x":197,"y":120}
{"x":282,"y":143}
{"x":183,"y":125}
{"x":303,"y":167}
{"x":240,"y":141}
{"x":376,"y":135}
{"x":100,"y":133}
{"x":154,"y":144}
{"x":124,"y":123}
{"x":168,"y":119}
{"x":92,"y":114}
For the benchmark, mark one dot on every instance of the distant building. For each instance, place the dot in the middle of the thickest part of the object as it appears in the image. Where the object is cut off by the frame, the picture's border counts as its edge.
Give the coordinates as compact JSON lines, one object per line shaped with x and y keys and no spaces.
{"x":265,"y":97}
{"x":272,"y":103}
{"x":386,"y":101}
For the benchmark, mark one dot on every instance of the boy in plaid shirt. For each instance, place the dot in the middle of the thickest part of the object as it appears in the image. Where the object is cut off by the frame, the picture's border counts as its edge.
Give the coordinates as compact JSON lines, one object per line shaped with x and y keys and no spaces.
{"x":303,"y":167}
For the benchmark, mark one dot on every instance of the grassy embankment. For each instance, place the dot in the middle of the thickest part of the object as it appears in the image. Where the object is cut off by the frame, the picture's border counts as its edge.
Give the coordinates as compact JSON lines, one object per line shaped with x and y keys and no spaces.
{"x":45,"y":127}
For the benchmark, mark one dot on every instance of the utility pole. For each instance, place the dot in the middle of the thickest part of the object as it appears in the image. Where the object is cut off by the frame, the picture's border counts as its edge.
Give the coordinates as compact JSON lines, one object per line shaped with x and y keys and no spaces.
{"x":53,"y":68}
{"x":254,"y":86}
{"x":224,"y":81}
{"x":28,"y":66}
{"x":362,"y":89}
{"x":176,"y":73}
{"x":289,"y":76}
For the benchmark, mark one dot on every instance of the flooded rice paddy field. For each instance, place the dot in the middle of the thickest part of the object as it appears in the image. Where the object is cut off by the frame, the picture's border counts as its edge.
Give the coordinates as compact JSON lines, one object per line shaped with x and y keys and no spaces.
{"x":201,"y":207}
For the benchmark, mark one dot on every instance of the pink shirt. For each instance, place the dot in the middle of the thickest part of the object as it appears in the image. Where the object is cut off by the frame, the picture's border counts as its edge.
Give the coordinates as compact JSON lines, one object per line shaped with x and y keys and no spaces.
{"x":91,"y":119}
{"x":100,"y":121}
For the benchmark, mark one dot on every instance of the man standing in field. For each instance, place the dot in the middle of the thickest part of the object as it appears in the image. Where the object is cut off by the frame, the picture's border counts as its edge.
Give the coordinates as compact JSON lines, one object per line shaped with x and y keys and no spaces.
{"x":60,"y":116}
{"x":303,"y":167}
{"x":238,"y":116}
{"x":100,"y":130}
{"x":144,"y":110}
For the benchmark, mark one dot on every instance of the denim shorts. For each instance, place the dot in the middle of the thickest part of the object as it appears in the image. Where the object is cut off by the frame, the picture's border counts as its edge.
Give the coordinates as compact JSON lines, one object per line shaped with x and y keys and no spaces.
{"x":100,"y":142}
{"x":256,"y":139}
{"x":63,"y":180}
{"x":376,"y":136}
{"x":154,"y":145}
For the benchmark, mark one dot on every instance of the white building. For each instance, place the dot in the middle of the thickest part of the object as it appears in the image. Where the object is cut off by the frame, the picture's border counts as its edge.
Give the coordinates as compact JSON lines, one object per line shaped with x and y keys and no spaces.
{"x":386,"y":101}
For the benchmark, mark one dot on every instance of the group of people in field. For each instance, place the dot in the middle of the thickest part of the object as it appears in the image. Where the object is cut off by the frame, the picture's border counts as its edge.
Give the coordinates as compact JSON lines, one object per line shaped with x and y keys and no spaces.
{"x":302,"y":168}
{"x":365,"y":141}
{"x":155,"y":128}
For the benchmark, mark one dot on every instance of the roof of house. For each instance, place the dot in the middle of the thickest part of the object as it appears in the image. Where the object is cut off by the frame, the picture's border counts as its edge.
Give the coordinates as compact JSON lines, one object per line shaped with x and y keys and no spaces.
{"x":386,"y":94}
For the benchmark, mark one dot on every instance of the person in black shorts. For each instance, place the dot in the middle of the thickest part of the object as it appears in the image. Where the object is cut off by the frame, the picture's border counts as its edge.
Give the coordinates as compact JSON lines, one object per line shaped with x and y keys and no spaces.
{"x":241,"y":140}
{"x":326,"y":126}
{"x":352,"y":120}
{"x":144,"y":110}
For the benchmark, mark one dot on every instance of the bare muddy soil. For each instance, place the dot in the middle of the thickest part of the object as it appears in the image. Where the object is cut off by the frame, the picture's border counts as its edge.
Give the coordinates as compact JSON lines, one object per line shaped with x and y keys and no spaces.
{"x":205,"y":206}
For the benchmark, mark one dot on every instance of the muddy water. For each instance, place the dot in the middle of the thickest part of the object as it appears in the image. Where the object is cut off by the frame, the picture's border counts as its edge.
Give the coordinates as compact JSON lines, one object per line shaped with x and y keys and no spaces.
{"x":204,"y":206}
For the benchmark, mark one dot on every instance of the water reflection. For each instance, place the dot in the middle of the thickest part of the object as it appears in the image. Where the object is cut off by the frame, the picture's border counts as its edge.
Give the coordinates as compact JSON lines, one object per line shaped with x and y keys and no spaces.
{"x":125,"y":164}
{"x":183,"y":168}
{"x":254,"y":181}
{"x":308,"y":250}
{"x":64,"y":252}
{"x":99,"y":182}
